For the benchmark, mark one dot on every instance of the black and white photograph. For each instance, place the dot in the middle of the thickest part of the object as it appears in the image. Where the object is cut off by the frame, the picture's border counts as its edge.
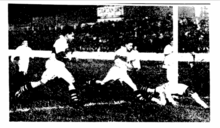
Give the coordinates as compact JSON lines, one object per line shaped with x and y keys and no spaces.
{"x":109,"y":62}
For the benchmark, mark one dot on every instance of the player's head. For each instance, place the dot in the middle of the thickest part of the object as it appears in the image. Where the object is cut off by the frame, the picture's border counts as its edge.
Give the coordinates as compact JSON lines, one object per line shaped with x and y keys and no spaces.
{"x":171,"y":43}
{"x":68,"y":32}
{"x":25,"y":43}
{"x":135,"y":47}
{"x":129,"y":46}
{"x":193,"y":59}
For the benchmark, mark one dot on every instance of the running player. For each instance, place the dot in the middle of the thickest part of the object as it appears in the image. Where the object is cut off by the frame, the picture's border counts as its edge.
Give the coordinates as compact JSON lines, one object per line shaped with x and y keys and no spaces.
{"x":122,"y":63}
{"x":24,"y":54}
{"x":55,"y":65}
{"x":24,"y":57}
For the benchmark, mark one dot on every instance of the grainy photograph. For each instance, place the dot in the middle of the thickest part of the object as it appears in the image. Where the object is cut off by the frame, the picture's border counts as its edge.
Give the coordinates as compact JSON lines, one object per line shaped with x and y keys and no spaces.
{"x":109,"y":62}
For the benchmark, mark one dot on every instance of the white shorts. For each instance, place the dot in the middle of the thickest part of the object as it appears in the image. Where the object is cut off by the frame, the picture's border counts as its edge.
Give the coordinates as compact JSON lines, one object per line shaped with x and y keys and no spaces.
{"x":23,"y":66}
{"x":117,"y":72}
{"x":55,"y":68}
{"x":173,"y":89}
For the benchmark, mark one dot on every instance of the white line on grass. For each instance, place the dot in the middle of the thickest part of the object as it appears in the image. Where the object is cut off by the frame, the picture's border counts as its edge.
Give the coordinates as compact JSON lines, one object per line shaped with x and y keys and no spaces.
{"x":62,"y":107}
{"x":104,"y":103}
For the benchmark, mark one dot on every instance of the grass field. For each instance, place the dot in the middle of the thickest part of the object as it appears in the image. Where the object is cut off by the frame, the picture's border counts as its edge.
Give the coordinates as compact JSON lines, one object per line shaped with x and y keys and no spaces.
{"x":108,"y":103}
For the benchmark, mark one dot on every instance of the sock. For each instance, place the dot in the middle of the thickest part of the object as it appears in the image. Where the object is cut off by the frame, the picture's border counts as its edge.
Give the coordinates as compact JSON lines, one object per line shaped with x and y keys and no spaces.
{"x":23,"y":89}
{"x":73,"y":95}
{"x":138,"y":95}
{"x":26,"y":87}
{"x":144,"y":89}
{"x":29,"y":86}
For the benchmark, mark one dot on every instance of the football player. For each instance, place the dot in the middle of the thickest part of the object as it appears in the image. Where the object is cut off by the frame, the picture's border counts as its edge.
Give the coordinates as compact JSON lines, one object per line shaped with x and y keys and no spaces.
{"x":24,"y":54}
{"x":24,"y":58}
{"x":171,"y":91}
{"x":169,"y":60}
{"x":123,"y":62}
{"x":55,"y":65}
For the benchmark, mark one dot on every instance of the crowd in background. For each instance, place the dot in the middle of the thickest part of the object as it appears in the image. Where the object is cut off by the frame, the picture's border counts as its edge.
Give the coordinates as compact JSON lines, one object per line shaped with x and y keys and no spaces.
{"x":193,"y":37}
{"x":149,"y":34}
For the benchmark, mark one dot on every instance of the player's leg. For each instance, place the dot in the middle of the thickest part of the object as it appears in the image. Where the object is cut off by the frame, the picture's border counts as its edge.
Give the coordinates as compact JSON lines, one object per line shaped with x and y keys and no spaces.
{"x":170,"y":98}
{"x":153,"y":91}
{"x":175,"y":97}
{"x":195,"y":96}
{"x":125,"y":78}
{"x":113,"y":74}
{"x":169,"y":75}
{"x":67,"y":76}
{"x":164,"y":92}
{"x":47,"y":75}
{"x":161,"y":100}
{"x":23,"y":68}
{"x":158,"y":90}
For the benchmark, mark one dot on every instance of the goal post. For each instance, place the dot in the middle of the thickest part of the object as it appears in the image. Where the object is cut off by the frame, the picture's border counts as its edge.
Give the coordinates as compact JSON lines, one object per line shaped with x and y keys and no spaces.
{"x":175,"y":44}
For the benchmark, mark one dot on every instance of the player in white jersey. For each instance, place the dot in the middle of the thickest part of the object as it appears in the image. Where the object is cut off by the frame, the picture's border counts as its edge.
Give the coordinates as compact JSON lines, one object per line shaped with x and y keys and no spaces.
{"x":55,"y":65}
{"x":169,"y":60}
{"x":123,"y":62}
{"x":171,"y":91}
{"x":165,"y":91}
{"x":24,"y":57}
{"x":135,"y":60}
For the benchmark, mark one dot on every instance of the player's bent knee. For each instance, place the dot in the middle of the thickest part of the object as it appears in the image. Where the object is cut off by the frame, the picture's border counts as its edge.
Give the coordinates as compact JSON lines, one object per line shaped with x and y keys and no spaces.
{"x":189,"y":92}
{"x":43,"y":81}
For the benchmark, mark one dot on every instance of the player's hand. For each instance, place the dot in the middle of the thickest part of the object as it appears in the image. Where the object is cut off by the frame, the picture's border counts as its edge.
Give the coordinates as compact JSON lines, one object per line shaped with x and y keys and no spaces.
{"x":69,"y":55}
{"x":175,"y":104}
{"x":175,"y":97}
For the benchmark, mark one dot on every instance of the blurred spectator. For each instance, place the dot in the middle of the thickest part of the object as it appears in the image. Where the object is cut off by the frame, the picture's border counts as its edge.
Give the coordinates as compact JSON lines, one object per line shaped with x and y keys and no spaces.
{"x":193,"y":37}
{"x":151,"y":34}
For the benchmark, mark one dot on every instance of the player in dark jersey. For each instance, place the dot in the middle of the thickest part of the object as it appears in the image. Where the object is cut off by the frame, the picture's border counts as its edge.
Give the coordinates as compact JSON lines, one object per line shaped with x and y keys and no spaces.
{"x":55,"y":65}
